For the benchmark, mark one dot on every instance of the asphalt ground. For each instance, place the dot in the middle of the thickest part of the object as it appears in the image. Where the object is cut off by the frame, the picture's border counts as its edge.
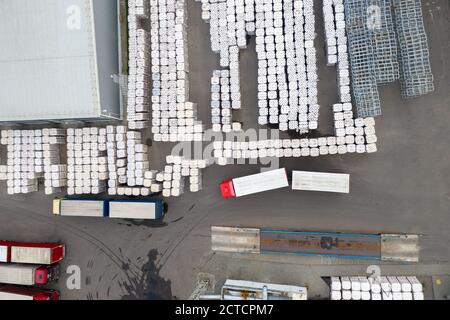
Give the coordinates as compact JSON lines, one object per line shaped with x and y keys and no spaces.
{"x":404,"y":188}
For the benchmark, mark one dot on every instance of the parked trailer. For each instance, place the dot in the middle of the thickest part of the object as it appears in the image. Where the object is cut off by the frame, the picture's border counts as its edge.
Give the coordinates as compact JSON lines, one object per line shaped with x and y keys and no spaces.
{"x":321,"y":181}
{"x":27,"y":275}
{"x":116,"y":209}
{"x":31,"y":252}
{"x":26,"y":293}
{"x":80,"y":208}
{"x":136,"y":209}
{"x":266,"y":181}
{"x":327,"y":244}
{"x":386,"y":247}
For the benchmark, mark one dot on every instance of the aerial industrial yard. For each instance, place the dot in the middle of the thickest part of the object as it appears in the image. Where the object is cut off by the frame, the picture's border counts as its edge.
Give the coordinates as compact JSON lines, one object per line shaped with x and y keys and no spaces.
{"x":179,"y":149}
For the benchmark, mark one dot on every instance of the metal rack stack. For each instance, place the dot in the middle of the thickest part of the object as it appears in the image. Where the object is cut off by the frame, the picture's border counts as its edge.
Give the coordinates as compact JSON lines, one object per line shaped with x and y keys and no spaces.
{"x":362,"y":59}
{"x":416,"y":76}
{"x":385,"y":43}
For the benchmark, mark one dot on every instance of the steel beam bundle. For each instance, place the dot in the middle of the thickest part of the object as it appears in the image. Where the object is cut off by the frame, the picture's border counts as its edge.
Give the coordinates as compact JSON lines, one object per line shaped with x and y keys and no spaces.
{"x":179,"y":170}
{"x":287,"y":63}
{"x":337,"y":49}
{"x":139,"y":65}
{"x":112,"y":159}
{"x":174,"y":118}
{"x":222,"y":103}
{"x":86,"y":161}
{"x":351,"y":136}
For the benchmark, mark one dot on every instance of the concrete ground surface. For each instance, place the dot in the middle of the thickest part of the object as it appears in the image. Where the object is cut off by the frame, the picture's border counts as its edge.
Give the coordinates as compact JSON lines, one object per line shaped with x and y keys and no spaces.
{"x":404,"y":188}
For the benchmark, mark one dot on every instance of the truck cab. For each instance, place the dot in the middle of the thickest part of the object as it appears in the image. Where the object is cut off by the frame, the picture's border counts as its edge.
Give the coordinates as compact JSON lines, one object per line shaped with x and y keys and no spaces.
{"x":227,"y":189}
{"x":46,"y":274}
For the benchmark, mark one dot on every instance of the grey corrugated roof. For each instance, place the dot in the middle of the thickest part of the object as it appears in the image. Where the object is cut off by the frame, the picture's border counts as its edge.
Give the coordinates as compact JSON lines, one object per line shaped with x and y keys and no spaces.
{"x":48,"y":69}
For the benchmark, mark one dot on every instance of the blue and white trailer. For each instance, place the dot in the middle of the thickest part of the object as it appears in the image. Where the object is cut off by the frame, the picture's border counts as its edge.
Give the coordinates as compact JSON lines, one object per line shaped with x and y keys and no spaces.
{"x":115,"y":209}
{"x":136,"y":209}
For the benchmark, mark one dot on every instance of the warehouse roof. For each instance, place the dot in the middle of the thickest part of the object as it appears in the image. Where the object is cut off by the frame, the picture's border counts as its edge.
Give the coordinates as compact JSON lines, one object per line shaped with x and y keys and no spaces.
{"x":48,"y":60}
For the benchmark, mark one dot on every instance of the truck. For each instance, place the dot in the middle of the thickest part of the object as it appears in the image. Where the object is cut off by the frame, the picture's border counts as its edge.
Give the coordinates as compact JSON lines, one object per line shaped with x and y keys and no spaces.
{"x":8,"y":292}
{"x":321,"y":181}
{"x":31,"y":252}
{"x":115,"y":209}
{"x":266,"y":181}
{"x":28,"y":275}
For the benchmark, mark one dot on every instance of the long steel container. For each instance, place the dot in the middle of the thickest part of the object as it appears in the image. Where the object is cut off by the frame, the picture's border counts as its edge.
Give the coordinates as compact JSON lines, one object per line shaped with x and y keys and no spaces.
{"x":321,"y":181}
{"x":37,"y":253}
{"x":80,"y":208}
{"x":136,"y":209}
{"x":18,"y":274}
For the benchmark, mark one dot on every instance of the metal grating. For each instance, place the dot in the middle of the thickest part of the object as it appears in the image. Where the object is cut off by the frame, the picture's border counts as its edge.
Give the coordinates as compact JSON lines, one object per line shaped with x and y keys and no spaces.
{"x":362,"y":59}
{"x":416,"y":76}
{"x":385,"y":43}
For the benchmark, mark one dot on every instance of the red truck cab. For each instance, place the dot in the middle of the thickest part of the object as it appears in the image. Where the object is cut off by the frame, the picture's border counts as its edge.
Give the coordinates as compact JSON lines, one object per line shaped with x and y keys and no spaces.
{"x":46,"y":274}
{"x":27,"y":293}
{"x":227,"y":189}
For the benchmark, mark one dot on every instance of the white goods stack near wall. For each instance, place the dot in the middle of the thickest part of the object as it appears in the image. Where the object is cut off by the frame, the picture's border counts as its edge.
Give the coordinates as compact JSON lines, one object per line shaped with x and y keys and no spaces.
{"x":139,"y":66}
{"x":384,"y":288}
{"x":31,"y":155}
{"x":174,"y":118}
{"x":87,"y":162}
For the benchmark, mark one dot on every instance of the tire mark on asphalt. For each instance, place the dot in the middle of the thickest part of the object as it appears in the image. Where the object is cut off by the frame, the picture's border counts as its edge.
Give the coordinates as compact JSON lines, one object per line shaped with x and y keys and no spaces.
{"x":164,"y":258}
{"x":131,"y":276}
{"x":89,"y":238}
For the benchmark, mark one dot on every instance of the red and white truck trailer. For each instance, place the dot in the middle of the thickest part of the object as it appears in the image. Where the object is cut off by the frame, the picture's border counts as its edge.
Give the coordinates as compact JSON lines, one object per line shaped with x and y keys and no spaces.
{"x":31,"y":252}
{"x":28,"y":275}
{"x":27,"y":293}
{"x":266,"y":181}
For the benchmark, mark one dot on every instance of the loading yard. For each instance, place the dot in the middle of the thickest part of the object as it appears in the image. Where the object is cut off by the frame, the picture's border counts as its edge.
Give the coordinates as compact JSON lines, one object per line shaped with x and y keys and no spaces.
{"x":402,"y":188}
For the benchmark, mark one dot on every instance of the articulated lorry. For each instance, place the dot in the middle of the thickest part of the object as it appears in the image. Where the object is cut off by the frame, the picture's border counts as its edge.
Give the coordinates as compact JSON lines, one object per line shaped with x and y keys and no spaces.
{"x":28,"y":275}
{"x":276,"y":179}
{"x":116,"y":209}
{"x":244,"y":186}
